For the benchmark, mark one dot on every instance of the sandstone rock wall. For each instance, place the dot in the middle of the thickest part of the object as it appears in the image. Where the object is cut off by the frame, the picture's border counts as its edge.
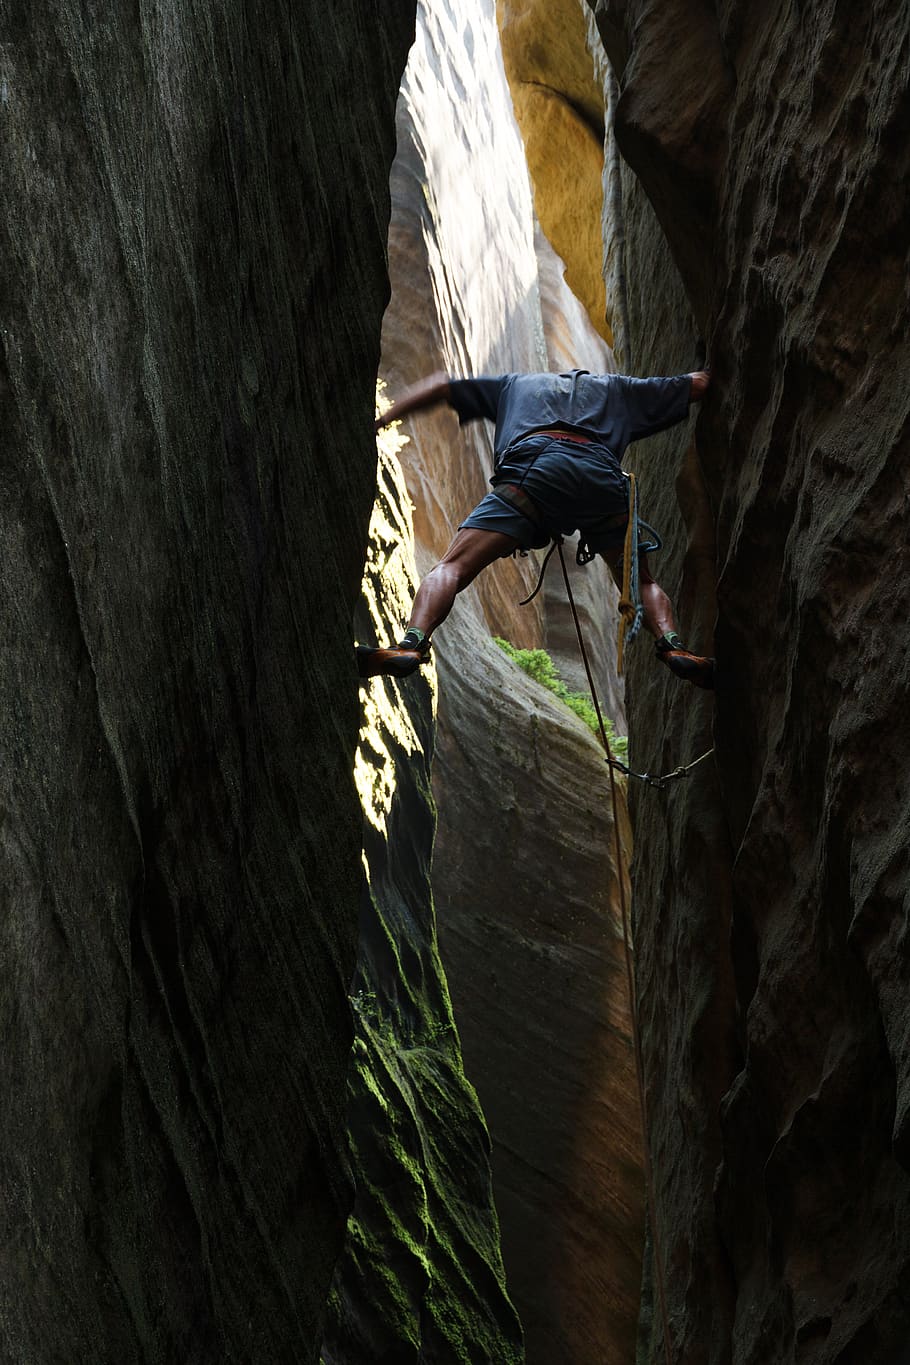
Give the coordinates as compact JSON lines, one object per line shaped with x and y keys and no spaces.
{"x":559,"y":106}
{"x":421,"y":1277}
{"x":191,"y":246}
{"x":771,"y":894}
{"x":522,"y":876}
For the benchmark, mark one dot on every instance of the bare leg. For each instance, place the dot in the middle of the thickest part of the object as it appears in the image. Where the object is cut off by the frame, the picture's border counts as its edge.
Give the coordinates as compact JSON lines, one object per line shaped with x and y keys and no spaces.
{"x":656,"y":604}
{"x":470,"y":551}
{"x":658,"y":612}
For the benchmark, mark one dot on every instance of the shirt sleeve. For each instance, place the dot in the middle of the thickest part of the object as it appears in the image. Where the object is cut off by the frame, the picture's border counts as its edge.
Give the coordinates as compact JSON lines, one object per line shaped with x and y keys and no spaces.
{"x":655,"y":404}
{"x":475,"y":398}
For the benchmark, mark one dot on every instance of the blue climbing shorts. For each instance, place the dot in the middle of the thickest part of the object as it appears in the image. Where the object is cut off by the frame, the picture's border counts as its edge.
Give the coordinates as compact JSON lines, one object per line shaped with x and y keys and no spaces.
{"x":574,"y":487}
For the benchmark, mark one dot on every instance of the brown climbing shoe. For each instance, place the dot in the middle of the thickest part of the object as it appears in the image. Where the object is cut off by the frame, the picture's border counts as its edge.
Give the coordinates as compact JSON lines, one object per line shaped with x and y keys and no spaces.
{"x":397,"y":662}
{"x":691,"y":668}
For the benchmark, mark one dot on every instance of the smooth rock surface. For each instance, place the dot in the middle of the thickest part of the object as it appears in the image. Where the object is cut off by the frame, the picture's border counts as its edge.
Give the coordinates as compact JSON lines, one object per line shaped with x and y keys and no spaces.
{"x":771,"y":896}
{"x":191,"y":238}
{"x":559,"y":106}
{"x":528,"y":909}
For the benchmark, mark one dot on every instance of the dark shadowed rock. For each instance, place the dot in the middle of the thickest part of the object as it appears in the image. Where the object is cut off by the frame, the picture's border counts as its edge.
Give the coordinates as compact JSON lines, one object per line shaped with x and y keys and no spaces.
{"x":191,"y":240}
{"x":771,"y":905}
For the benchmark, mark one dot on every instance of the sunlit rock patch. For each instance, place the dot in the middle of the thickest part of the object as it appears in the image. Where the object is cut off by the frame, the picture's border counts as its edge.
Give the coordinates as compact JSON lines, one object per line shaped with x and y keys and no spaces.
{"x":421,"y":1275}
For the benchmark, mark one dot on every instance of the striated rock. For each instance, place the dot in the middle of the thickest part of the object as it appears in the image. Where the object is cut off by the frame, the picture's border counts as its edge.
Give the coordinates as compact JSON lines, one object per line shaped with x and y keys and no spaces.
{"x":523,"y":877}
{"x":527,"y":900}
{"x":771,"y":903}
{"x":676,"y":81}
{"x":421,"y":1277}
{"x":461,"y":246}
{"x":191,"y":241}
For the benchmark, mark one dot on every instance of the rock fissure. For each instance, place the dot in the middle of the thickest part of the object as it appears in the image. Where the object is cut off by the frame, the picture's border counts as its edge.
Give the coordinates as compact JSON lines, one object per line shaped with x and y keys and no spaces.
{"x":194,"y":217}
{"x":496,"y":776}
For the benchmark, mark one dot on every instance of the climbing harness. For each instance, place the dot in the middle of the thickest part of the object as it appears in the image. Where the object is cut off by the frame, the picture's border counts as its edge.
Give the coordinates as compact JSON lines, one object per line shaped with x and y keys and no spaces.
{"x":516,"y":497}
{"x":631,"y":611}
{"x":630,"y":606}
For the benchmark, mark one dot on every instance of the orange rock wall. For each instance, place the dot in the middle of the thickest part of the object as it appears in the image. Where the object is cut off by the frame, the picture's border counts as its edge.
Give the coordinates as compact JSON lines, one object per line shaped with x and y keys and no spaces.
{"x":558,"y":102}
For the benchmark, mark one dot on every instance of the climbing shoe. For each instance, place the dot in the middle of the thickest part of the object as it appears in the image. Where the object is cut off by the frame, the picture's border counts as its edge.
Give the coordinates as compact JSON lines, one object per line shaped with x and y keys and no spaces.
{"x":691,"y":668}
{"x":398,"y":662}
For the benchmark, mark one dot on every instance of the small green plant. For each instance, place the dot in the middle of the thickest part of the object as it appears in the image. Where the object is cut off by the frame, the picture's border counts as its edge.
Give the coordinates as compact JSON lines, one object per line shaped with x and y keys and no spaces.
{"x":539,"y":666}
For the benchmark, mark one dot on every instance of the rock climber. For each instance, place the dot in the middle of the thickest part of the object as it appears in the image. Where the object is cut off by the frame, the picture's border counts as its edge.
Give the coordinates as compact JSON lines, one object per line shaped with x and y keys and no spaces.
{"x":559,"y":440}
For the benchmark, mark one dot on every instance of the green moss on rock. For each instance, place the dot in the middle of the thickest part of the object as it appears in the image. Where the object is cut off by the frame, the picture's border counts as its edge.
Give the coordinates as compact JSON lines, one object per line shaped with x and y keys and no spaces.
{"x":421,"y":1277}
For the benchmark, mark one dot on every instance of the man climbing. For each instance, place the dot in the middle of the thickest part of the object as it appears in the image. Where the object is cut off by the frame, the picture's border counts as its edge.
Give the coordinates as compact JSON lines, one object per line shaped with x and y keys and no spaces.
{"x":559,"y":440}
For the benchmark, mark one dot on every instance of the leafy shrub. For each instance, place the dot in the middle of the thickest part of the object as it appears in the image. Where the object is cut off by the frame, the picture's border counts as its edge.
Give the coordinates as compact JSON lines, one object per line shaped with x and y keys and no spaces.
{"x":539,"y":666}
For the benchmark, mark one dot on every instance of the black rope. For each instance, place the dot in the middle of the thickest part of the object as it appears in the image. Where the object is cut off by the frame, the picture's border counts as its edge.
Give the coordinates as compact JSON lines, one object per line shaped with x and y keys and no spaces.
{"x":543,"y":569}
{"x":660,"y":782}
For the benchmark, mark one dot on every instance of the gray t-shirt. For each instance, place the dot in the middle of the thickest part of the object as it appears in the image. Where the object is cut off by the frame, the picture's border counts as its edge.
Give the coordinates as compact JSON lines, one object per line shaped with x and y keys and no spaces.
{"x":612,"y":407}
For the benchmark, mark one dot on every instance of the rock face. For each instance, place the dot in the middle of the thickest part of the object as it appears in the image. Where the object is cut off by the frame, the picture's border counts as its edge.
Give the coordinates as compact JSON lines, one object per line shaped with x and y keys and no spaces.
{"x":771,"y":895}
{"x":192,"y":244}
{"x":528,"y":924}
{"x":421,"y":1278}
{"x":523,"y":871}
{"x":559,"y":106}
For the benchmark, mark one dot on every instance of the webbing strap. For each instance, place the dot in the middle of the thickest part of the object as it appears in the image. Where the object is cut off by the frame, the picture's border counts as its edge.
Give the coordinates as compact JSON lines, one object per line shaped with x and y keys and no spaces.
{"x":516,"y":497}
{"x":630,"y":608}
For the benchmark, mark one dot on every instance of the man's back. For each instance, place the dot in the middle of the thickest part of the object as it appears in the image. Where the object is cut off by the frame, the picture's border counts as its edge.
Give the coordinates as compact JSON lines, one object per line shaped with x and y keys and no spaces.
{"x":616,"y":409}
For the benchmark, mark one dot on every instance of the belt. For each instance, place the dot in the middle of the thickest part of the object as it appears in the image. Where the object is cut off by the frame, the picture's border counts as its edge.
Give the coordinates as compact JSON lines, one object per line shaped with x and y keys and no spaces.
{"x":516,"y":497}
{"x":565,"y":436}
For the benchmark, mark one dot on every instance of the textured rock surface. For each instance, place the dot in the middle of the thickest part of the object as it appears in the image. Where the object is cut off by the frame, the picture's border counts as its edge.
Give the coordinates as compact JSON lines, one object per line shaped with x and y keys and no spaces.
{"x":522,"y":874}
{"x":191,"y":240}
{"x":771,"y":903}
{"x":421,"y":1278}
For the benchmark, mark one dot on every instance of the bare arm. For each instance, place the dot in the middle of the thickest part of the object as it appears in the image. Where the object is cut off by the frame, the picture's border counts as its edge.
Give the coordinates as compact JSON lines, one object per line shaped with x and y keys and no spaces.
{"x":426,"y":393}
{"x":700,"y":381}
